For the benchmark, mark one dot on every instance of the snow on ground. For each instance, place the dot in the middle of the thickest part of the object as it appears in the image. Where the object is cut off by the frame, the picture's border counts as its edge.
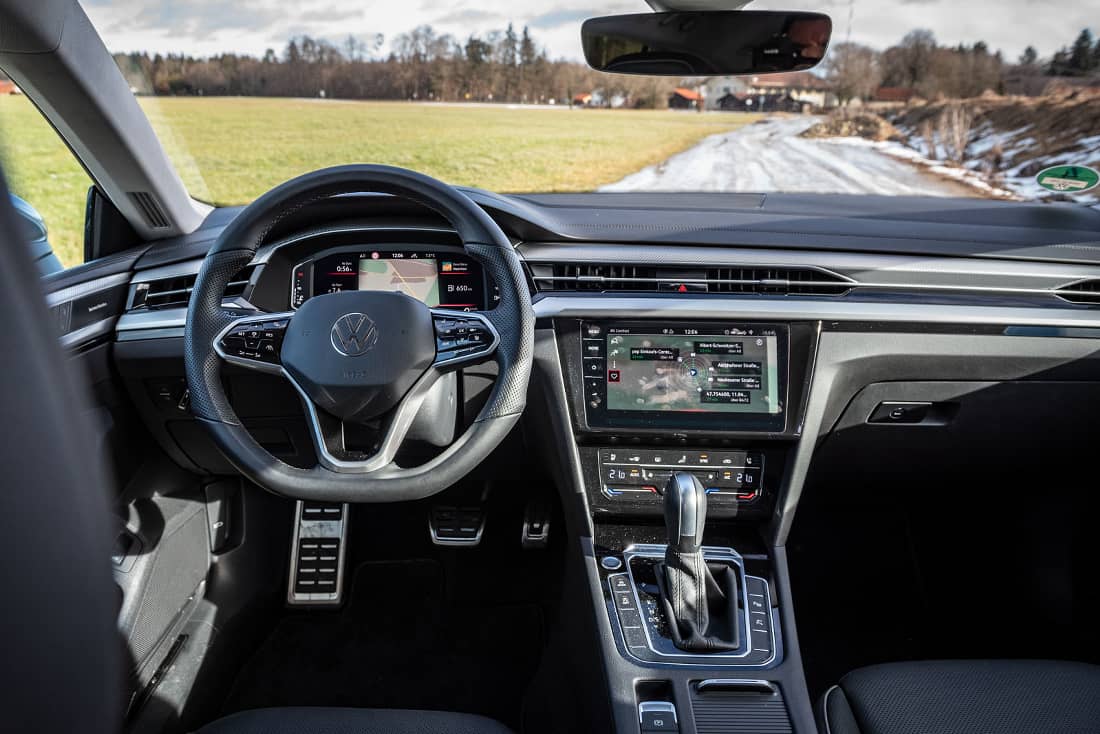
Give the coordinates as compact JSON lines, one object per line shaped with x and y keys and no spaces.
{"x":770,"y":156}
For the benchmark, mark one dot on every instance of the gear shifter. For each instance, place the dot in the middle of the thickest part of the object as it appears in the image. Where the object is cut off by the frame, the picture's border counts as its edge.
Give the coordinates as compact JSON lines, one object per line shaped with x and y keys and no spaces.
{"x":699,"y":598}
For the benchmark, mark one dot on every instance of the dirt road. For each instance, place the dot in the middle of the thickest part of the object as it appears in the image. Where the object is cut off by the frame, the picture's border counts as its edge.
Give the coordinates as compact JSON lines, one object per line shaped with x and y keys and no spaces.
{"x":770,"y":156}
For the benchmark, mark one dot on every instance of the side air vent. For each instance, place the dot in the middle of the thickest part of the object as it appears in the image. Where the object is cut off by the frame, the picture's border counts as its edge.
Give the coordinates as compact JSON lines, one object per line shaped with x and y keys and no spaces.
{"x":150,"y":209}
{"x":176,"y":292}
{"x":597,"y":277}
{"x":1085,"y":292}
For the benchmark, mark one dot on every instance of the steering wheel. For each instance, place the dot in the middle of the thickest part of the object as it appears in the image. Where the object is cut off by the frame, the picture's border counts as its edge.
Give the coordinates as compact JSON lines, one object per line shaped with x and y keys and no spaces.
{"x":359,"y":356}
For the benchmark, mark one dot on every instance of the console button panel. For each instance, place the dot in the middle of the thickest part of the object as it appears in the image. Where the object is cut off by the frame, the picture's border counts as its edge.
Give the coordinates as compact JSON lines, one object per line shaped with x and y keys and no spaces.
{"x":633,"y":474}
{"x":633,"y":601}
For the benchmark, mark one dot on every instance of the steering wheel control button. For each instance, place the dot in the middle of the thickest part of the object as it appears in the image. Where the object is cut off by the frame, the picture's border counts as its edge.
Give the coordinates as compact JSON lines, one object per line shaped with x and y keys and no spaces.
{"x":462,"y":338}
{"x":253,"y":342}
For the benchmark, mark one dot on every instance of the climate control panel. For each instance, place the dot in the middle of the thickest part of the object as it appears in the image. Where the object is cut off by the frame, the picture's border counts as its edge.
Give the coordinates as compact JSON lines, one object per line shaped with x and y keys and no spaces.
{"x":636,"y":474}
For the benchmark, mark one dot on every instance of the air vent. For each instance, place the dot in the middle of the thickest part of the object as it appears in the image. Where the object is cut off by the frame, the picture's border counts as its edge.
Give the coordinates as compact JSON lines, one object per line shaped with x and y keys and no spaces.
{"x":176,"y":292}
{"x":150,"y":209}
{"x":593,"y":277}
{"x":1085,"y":292}
{"x":781,"y":281}
{"x":598,"y":277}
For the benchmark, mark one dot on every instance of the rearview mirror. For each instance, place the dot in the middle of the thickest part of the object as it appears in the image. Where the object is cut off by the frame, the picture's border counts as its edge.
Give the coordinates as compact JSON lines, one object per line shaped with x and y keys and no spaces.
{"x":706,"y":43}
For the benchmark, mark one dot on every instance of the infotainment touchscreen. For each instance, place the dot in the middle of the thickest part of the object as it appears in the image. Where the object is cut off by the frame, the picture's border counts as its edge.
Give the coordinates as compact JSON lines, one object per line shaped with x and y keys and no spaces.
{"x":722,"y":376}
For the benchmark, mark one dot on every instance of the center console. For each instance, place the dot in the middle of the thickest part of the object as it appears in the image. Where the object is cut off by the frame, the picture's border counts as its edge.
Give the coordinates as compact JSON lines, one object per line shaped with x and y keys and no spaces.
{"x":720,"y":400}
{"x":685,"y":433}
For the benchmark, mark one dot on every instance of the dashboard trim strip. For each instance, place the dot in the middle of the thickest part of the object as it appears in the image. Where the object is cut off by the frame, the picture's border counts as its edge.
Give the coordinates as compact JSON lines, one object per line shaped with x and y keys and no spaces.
{"x":805,"y":309}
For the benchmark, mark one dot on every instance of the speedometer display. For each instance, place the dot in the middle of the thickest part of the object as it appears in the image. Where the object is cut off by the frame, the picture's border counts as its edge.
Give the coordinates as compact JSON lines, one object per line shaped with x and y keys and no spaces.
{"x":437,"y":279}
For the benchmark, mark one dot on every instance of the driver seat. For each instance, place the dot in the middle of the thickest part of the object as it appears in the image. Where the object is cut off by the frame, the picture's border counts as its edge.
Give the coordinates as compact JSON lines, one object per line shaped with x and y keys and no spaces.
{"x":62,"y":664}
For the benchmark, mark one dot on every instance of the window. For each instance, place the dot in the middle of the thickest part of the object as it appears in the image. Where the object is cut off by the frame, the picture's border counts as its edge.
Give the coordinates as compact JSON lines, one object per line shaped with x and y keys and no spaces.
{"x":42,"y":171}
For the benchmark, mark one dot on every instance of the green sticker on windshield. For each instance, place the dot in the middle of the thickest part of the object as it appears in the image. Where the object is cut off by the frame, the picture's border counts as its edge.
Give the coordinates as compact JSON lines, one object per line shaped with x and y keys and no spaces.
{"x":1068,"y":179}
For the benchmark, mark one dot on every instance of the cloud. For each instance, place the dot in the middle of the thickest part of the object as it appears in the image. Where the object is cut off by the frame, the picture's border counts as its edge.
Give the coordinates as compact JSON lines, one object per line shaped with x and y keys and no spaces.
{"x":556,"y":18}
{"x":473,"y":16}
{"x":204,"y":27}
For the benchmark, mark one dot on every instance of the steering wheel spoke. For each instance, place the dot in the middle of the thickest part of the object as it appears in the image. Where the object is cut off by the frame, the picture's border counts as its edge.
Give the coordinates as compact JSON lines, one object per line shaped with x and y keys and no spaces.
{"x":255,"y":341}
{"x":329,"y":433}
{"x":462,"y":338}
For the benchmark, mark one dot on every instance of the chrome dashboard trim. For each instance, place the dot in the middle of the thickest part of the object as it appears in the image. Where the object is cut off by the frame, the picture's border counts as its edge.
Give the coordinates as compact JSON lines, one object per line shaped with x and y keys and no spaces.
{"x":804,"y":309}
{"x":732,"y":307}
{"x":86,"y":288}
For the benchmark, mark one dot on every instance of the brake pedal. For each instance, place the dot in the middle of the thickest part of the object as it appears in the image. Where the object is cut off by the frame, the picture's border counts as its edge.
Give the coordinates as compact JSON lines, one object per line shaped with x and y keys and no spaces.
{"x":317,"y":554}
{"x":536,"y":525}
{"x":456,"y":525}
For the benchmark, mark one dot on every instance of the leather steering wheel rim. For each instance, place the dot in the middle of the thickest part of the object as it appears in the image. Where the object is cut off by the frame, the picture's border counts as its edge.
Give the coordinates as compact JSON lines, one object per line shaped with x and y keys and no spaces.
{"x":512,"y":317}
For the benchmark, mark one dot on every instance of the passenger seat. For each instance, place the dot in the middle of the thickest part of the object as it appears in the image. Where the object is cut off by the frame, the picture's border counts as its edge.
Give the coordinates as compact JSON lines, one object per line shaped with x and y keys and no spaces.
{"x":965,"y":697}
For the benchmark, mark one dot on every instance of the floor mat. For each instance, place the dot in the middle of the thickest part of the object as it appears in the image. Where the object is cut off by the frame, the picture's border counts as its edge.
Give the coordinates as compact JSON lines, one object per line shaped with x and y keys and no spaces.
{"x":399,"y":643}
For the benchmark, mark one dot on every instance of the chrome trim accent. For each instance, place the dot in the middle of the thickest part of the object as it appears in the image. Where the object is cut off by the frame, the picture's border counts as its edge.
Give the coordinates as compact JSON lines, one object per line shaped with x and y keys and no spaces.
{"x":174,"y":332}
{"x":867,"y":270}
{"x":395,"y":434}
{"x":651,"y":550}
{"x":255,"y":364}
{"x":164,"y":272}
{"x":86,"y":288}
{"x":842,"y":281}
{"x":662,"y":706}
{"x":721,"y":683}
{"x":731,"y":307}
{"x":825,"y":709}
{"x":296,"y":599}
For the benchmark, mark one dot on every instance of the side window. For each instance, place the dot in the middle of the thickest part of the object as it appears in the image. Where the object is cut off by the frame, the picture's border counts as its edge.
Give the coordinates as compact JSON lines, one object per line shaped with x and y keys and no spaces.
{"x":49,"y":187}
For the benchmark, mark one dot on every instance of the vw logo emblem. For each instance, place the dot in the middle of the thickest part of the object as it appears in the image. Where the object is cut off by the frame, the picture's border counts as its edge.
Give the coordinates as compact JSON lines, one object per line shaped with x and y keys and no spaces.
{"x":354,"y":334}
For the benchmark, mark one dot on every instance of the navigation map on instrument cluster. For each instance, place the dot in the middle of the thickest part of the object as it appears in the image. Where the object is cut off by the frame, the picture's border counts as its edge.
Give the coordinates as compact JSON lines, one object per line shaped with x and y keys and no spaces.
{"x":417,"y":278}
{"x":691,"y":373}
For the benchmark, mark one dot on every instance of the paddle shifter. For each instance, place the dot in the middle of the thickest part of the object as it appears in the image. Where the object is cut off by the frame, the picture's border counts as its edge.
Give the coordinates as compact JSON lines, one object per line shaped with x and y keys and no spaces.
{"x":699,"y":598}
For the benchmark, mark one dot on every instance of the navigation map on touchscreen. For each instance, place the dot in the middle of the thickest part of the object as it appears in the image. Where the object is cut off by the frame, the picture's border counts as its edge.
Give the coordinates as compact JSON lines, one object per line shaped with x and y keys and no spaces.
{"x":692,"y":373}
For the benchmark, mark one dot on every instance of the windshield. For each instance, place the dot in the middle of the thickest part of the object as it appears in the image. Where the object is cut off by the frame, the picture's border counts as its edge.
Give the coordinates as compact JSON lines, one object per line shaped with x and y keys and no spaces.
{"x":929,"y":99}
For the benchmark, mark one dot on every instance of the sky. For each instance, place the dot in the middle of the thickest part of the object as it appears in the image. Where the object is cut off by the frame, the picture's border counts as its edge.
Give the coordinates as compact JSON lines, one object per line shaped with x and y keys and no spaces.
{"x":205,"y":27}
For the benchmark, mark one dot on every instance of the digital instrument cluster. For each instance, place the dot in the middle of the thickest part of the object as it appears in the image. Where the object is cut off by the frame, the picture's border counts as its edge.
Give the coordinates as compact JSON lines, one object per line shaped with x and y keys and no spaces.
{"x":437,"y":278}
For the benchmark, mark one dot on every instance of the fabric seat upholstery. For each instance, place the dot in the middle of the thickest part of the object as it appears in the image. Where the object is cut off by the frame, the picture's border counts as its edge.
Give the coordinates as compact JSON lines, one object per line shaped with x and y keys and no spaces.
{"x":965,"y":697}
{"x":301,"y":720}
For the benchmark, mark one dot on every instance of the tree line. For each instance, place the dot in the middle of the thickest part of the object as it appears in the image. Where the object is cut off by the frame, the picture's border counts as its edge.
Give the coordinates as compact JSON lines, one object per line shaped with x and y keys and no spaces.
{"x":919,"y":63}
{"x":500,"y":66}
{"x":510,"y":66}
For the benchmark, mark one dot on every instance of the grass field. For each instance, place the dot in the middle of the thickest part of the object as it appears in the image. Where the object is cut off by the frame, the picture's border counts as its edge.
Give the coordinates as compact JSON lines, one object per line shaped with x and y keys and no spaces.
{"x":230,"y":150}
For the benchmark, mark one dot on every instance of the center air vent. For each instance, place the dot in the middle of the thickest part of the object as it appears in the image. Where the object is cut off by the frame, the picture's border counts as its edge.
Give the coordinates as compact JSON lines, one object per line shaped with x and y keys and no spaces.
{"x":603,"y":277}
{"x":176,"y":292}
{"x":1085,"y":292}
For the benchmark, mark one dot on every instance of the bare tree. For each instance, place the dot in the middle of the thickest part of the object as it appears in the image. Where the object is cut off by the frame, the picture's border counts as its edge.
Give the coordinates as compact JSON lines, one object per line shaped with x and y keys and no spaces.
{"x":854,"y":71}
{"x":954,"y":126}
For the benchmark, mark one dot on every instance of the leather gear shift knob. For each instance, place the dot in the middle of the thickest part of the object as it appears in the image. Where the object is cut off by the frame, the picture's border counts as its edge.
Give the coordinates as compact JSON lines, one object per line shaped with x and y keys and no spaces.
{"x":685,"y":512}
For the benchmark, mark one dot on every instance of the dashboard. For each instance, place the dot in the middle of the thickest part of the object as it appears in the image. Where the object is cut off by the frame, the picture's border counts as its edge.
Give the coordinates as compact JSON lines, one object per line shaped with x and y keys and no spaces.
{"x":719,"y":335}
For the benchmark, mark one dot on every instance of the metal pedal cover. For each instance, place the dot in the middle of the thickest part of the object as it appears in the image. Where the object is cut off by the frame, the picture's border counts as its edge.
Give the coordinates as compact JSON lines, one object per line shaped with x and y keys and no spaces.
{"x":536,"y":526}
{"x":317,"y":554}
{"x":456,"y":525}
